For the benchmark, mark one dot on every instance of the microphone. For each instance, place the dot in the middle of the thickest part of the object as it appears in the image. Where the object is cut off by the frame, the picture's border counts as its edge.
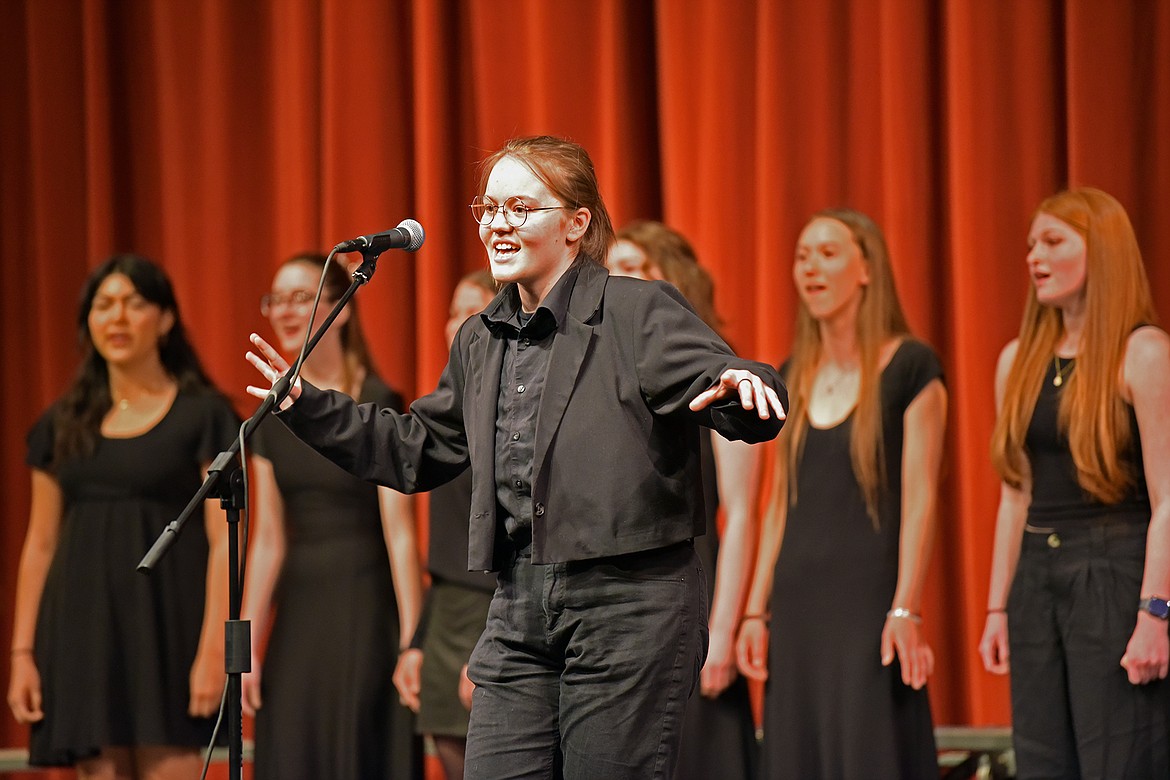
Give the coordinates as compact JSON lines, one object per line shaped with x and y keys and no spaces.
{"x":408,"y":235}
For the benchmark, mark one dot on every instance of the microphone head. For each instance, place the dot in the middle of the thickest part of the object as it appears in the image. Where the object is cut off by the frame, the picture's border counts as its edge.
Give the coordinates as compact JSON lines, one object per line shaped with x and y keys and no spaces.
{"x":416,"y":233}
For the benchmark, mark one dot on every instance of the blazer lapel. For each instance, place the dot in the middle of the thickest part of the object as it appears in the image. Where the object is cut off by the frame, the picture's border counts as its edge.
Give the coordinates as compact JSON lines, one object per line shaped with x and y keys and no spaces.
{"x":487,"y":354}
{"x":570,"y":347}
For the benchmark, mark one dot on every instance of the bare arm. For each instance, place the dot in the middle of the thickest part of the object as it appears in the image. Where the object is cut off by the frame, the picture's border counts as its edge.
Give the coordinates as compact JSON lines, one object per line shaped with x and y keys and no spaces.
{"x":737,"y":469}
{"x":925,"y":425}
{"x":40,"y":543}
{"x":1147,"y":382}
{"x":401,"y":537}
{"x":752,"y":642}
{"x":265,"y":560}
{"x":207,"y":672}
{"x":1009,"y":532}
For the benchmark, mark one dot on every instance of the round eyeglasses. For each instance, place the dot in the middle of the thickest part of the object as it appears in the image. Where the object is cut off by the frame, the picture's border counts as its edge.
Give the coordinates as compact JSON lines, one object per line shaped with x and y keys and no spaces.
{"x":299,"y":299}
{"x":483,"y":210}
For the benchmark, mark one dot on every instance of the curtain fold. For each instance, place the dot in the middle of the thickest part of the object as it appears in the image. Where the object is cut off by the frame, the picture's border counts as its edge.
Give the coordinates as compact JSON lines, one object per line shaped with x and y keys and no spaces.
{"x":221,"y":137}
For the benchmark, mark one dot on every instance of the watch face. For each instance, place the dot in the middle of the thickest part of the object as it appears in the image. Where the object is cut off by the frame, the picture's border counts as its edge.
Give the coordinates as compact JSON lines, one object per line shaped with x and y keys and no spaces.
{"x":1159,"y":608}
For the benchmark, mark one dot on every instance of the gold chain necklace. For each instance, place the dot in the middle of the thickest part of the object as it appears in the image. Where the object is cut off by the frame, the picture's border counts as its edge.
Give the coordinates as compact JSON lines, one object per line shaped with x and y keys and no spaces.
{"x":831,"y":386}
{"x":1061,"y":371}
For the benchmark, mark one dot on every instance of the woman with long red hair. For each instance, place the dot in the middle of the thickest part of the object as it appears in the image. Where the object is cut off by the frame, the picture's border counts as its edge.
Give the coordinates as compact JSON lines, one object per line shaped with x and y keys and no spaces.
{"x":1081,"y":567}
{"x":833,"y":618}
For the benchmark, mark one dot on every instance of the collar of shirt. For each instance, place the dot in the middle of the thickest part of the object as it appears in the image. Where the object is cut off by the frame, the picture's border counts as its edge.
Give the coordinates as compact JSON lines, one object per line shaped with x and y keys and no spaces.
{"x":504,"y":318}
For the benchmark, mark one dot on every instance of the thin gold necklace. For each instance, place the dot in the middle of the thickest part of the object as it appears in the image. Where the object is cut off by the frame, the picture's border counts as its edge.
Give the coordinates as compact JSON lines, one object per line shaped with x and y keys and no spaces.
{"x":1061,"y":371}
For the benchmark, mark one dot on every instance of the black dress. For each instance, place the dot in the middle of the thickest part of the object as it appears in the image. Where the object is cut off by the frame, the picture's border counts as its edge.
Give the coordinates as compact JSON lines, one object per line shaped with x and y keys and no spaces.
{"x":454,"y":614}
{"x":831,"y":709}
{"x":330,"y":708}
{"x":114,"y":648}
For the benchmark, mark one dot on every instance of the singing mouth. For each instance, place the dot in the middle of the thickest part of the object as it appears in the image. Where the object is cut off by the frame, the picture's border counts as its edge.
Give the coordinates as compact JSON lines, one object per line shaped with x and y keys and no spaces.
{"x":505,"y":249}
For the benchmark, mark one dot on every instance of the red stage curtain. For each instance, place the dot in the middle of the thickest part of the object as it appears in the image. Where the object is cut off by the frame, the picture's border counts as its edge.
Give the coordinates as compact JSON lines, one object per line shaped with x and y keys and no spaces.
{"x":219,"y":137}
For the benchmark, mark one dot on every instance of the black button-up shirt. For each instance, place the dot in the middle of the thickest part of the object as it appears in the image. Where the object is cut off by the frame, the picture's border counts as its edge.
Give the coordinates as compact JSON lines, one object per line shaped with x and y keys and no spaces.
{"x":528,"y":340}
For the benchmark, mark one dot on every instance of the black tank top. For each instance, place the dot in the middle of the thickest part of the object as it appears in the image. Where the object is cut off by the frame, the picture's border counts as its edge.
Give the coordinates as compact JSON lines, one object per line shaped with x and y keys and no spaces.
{"x":1056,"y":496}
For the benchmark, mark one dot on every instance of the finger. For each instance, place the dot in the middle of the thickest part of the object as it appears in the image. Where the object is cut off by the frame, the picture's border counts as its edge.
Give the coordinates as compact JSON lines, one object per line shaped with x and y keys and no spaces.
{"x":985,"y":655}
{"x":258,"y":362}
{"x":703,"y":398}
{"x":759,"y":657}
{"x":18,"y":710}
{"x":1131,"y":670}
{"x":918,"y":671}
{"x":269,"y":352}
{"x":774,"y":401}
{"x":760,"y":398}
{"x":253,"y":700}
{"x":746,"y":391}
{"x":887,"y":649}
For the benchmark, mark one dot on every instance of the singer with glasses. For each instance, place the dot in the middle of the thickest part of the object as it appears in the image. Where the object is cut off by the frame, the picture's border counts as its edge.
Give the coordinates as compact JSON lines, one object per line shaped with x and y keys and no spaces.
{"x":577,"y":400}
{"x":1080,"y":572}
{"x":484,"y":209}
{"x":336,"y":559}
{"x":119,"y":674}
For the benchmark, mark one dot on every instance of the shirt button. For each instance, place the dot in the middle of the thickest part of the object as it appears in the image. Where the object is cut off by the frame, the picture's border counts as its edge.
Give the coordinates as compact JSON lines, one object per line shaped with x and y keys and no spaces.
{"x":515,"y":437}
{"x":1053,"y":541}
{"x":520,"y":389}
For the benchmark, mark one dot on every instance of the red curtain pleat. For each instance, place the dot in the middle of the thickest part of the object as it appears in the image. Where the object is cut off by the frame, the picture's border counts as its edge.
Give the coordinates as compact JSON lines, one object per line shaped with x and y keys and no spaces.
{"x":221,"y":137}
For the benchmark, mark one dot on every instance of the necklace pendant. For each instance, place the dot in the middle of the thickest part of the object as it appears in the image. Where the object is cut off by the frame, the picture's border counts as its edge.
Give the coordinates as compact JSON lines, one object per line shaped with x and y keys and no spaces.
{"x":1057,"y":380}
{"x":124,"y":404}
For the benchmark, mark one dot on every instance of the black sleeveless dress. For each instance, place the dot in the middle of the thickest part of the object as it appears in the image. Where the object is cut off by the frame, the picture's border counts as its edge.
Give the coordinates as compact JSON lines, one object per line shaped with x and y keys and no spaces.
{"x":831,"y":709}
{"x":330,"y":707}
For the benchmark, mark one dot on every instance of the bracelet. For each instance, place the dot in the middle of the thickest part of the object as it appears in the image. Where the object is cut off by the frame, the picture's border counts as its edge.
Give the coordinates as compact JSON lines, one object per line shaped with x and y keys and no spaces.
{"x":902,"y":612}
{"x":764,"y":616}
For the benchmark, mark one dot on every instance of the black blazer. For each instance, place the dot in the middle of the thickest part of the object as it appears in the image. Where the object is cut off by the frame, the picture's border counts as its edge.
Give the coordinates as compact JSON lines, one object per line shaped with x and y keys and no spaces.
{"x":617,"y":450}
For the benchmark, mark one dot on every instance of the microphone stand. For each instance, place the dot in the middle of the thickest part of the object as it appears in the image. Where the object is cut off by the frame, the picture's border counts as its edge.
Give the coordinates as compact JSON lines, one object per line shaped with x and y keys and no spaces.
{"x":230,"y":491}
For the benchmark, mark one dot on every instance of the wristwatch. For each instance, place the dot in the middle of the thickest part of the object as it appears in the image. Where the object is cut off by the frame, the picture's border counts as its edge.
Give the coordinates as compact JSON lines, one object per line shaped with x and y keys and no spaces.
{"x":1158,"y":607}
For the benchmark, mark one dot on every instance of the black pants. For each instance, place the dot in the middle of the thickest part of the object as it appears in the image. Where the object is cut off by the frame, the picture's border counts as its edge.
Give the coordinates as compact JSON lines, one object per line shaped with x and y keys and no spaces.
{"x":1071,"y":612}
{"x":584,"y":669}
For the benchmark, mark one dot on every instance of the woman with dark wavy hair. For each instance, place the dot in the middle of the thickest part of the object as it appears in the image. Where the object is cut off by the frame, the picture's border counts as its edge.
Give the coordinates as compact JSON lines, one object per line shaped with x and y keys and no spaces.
{"x":118,"y":673}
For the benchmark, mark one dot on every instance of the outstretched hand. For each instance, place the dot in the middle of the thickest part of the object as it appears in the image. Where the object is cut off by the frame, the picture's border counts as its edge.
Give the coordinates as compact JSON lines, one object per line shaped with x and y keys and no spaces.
{"x":753,"y":394}
{"x":273,"y":367}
